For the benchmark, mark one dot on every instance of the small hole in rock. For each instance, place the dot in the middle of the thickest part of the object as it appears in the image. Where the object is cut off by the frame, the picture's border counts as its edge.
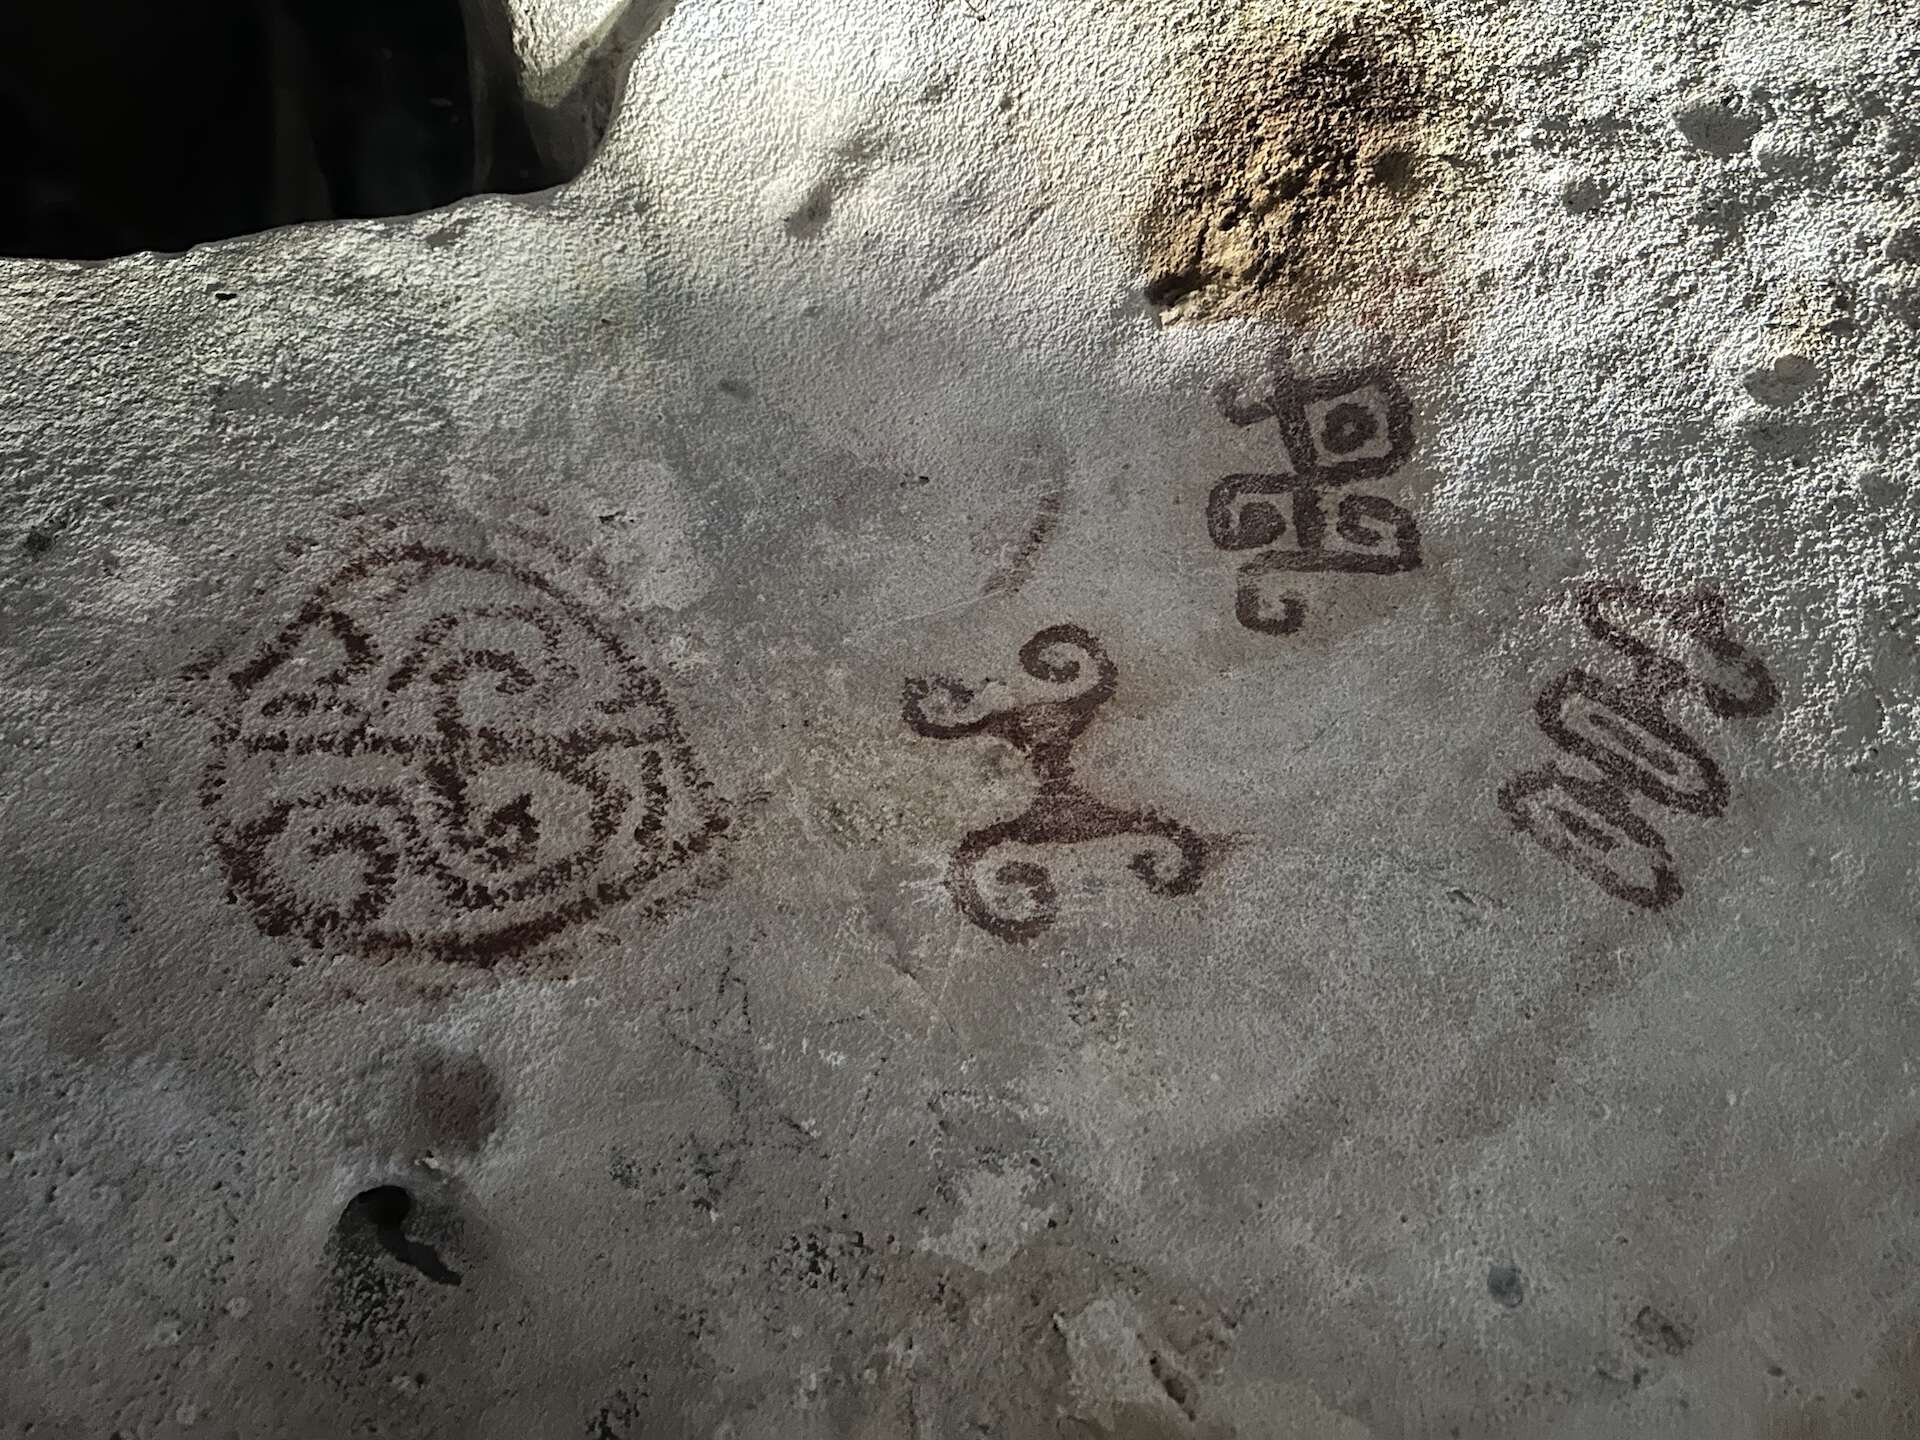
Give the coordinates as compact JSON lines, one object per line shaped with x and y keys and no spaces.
{"x":1393,"y":169}
{"x":384,"y":1210}
{"x":380,"y":1207}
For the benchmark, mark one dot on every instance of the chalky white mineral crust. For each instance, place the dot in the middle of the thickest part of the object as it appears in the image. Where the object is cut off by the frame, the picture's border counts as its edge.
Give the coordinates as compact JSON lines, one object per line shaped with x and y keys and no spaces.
{"x":876,"y":341}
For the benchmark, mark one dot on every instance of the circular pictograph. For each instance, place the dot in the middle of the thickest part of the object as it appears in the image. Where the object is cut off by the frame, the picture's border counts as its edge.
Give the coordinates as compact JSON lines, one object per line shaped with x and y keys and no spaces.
{"x":447,"y":755}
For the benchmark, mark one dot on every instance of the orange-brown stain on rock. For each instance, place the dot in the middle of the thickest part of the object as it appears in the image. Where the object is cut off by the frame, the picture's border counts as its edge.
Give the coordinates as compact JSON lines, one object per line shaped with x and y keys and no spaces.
{"x":1329,"y":169}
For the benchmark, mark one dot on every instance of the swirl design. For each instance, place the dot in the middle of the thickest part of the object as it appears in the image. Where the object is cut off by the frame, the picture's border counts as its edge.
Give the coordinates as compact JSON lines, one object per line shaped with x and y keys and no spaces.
{"x":1016,"y":898}
{"x":1334,"y":430}
{"x":447,"y":755}
{"x":1629,"y":744}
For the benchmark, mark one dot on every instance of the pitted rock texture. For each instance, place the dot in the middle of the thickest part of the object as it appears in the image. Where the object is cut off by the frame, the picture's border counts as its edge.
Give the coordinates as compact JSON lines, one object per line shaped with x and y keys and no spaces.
{"x":1555,"y":365}
{"x":1332,"y":166}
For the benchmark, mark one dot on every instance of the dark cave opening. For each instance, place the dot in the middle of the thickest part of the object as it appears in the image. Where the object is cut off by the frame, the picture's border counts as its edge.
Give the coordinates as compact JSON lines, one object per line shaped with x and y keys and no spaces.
{"x":137,"y":126}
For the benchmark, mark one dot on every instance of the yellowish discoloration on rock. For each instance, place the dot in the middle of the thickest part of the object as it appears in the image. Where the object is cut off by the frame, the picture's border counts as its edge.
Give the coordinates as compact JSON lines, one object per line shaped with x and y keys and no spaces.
{"x":1328,"y":167}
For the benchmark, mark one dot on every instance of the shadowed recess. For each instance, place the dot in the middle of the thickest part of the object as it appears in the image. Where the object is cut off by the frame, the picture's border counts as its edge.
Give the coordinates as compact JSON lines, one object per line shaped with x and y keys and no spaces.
{"x":130,"y":126}
{"x":383,"y":1211}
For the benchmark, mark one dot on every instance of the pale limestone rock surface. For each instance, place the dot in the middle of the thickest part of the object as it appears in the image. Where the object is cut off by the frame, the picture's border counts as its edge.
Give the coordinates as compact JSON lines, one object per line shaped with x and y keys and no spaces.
{"x":727,"y":728}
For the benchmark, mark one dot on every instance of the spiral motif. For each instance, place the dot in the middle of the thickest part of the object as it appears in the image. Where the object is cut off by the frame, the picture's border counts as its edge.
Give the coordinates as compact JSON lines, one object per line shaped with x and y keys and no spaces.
{"x":448,"y":755}
{"x":1062,"y":654}
{"x":1174,"y":864}
{"x":1018,"y":899}
{"x":1022,"y":901}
